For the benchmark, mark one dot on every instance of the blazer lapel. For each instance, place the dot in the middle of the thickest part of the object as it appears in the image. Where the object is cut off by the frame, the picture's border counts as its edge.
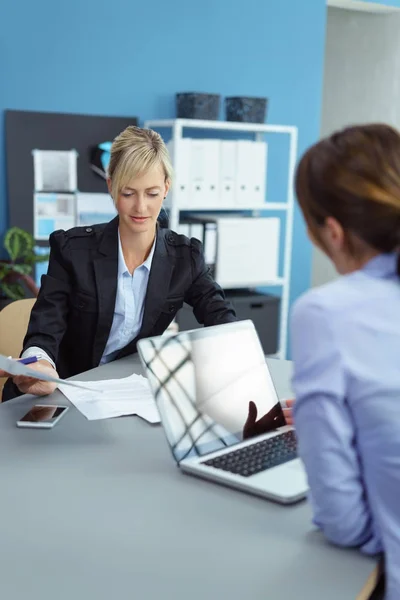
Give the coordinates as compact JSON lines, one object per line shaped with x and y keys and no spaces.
{"x":106,"y":276}
{"x":158,"y":286}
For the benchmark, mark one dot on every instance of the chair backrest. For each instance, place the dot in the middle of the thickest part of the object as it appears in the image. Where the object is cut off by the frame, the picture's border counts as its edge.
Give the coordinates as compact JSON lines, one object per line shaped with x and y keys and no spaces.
{"x":14,"y":319}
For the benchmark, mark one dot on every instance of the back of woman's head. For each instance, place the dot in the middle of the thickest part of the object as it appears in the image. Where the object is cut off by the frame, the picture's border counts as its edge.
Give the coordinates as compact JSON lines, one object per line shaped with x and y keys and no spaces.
{"x":354,"y":177}
{"x":134,"y":152}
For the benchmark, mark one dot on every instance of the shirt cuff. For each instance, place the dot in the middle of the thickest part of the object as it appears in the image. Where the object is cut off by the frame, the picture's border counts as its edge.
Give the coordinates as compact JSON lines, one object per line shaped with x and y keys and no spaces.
{"x":39,"y":353}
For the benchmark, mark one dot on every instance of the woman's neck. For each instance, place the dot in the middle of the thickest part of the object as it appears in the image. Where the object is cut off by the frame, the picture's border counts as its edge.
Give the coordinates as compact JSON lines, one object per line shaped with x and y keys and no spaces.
{"x":347,"y":264}
{"x":136,"y":247}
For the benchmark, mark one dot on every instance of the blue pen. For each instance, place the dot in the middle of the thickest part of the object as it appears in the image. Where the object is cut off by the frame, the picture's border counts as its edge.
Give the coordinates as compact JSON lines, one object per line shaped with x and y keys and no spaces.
{"x":29,"y":360}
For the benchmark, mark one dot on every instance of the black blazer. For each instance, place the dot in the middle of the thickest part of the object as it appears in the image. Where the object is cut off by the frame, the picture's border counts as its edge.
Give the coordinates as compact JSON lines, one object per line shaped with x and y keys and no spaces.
{"x":73,"y":314}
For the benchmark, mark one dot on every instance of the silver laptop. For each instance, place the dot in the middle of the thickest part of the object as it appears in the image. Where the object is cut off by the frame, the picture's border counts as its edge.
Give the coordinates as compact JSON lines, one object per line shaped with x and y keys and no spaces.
{"x":209,"y":384}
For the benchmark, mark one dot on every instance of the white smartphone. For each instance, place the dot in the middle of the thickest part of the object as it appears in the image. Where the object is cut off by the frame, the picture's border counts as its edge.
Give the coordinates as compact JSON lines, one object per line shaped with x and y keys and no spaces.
{"x":43,"y":416}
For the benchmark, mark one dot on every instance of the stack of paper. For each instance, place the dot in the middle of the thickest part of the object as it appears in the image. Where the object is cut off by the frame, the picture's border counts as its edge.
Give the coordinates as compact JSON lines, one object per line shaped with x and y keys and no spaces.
{"x":115,"y":398}
{"x":97,"y":399}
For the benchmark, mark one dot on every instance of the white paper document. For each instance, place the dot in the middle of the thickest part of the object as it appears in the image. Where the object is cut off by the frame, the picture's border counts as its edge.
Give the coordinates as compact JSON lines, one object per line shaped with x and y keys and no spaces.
{"x":128,"y":396}
{"x":14,"y":367}
{"x":52,"y":211}
{"x":55,"y":170}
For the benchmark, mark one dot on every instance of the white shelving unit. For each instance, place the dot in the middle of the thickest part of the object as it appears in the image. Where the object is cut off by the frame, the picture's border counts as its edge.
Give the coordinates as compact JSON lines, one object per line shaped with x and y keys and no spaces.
{"x":177,"y":127}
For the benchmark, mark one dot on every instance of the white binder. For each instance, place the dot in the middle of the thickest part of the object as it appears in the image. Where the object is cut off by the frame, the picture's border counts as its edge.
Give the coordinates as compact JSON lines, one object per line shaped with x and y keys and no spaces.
{"x":210,"y":243}
{"x":227,"y":174}
{"x":196,"y":231}
{"x":205,"y":168}
{"x":251,"y":160}
{"x":248,"y":252}
{"x":184,"y":229}
{"x":182,"y":168}
{"x":258,"y":184}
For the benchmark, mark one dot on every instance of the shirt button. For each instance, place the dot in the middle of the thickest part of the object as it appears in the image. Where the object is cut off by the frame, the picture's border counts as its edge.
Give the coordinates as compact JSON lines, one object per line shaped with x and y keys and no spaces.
{"x":89,"y":229}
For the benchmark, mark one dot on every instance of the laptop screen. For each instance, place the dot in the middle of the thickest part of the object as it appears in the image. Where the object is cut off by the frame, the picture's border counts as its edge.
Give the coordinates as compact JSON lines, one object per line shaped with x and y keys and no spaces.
{"x":212,"y":387}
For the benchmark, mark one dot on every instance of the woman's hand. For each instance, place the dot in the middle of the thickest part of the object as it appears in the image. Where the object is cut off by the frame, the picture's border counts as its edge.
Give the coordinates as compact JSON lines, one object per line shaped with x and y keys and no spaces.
{"x":288,"y":412}
{"x":30,"y":385}
{"x":272,"y":420}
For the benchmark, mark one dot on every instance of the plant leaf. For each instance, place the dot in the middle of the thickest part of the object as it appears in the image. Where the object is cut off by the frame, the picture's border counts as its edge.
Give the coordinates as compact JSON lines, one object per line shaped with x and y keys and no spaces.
{"x":22,"y":269}
{"x":14,"y":291}
{"x":5,"y":269}
{"x":18,"y":243}
{"x":37,"y":258}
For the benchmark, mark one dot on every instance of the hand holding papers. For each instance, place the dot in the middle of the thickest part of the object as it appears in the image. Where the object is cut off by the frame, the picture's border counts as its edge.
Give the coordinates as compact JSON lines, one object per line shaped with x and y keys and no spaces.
{"x":96,"y":399}
{"x":17,"y":368}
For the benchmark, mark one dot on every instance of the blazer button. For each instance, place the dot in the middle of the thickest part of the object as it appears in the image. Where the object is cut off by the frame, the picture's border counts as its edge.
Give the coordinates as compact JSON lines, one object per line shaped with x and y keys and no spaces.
{"x":89,"y":229}
{"x":172,"y":308}
{"x":81,"y":305}
{"x":171,"y":239}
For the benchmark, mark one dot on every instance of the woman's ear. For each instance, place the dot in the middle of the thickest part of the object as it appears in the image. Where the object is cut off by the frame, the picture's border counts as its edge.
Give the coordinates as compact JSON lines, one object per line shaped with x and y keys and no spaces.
{"x":333,"y":234}
{"x":167,"y":186}
{"x":109,"y":185}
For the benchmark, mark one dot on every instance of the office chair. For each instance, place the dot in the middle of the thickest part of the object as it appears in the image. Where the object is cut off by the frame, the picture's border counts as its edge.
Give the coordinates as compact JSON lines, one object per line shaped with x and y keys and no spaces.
{"x":14,"y":319}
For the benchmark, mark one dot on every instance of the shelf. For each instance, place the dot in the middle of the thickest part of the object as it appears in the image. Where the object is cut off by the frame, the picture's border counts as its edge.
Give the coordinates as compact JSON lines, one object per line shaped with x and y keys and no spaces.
{"x":363,"y":6}
{"x":272,"y":283}
{"x":221,"y":125}
{"x":275,"y":356}
{"x":176,"y":130}
{"x":266,"y":206}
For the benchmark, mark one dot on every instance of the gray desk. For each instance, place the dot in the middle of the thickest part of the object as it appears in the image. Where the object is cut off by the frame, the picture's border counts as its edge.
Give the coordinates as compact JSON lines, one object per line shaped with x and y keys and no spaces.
{"x":98,"y":511}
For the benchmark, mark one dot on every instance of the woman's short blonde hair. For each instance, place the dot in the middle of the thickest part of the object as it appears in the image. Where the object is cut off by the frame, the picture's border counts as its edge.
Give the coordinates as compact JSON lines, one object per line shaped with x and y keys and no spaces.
{"x":133,"y":152}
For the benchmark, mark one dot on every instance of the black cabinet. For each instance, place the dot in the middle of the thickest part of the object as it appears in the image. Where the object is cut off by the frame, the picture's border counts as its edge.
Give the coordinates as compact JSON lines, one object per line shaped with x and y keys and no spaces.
{"x":262,"y":309}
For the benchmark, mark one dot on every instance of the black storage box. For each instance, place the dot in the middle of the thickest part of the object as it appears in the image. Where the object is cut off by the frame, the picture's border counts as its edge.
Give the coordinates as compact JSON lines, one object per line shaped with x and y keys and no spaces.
{"x":262,"y":309}
{"x":246,"y":110}
{"x":191,"y":105}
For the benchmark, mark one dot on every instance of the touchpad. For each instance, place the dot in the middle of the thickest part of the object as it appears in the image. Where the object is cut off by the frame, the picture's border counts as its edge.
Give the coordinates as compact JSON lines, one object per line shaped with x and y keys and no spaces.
{"x":296,"y":465}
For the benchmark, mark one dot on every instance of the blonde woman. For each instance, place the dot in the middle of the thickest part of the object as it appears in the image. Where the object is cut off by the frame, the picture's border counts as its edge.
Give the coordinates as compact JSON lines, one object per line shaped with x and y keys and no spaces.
{"x":109,"y":285}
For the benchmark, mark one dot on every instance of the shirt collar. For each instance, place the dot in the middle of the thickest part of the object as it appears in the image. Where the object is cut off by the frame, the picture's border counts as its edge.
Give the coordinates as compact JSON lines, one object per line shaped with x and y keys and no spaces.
{"x":383,"y":265}
{"x":122,"y":268}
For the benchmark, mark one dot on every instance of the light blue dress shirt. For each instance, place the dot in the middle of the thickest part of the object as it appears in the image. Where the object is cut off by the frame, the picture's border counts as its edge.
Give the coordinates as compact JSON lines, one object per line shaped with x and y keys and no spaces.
{"x":346,"y":352}
{"x":128,"y":312}
{"x":129,"y":304}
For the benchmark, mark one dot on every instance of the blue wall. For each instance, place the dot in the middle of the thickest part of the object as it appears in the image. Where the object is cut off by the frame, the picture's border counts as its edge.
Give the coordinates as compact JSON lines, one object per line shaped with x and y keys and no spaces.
{"x":128,"y":57}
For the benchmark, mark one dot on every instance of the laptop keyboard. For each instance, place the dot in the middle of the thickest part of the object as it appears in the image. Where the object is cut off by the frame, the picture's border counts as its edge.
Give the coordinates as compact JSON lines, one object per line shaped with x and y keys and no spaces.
{"x":258,"y":457}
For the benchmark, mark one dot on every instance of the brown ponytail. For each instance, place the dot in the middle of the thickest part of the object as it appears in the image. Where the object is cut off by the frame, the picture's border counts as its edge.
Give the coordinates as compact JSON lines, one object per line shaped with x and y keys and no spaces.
{"x":354,"y":176}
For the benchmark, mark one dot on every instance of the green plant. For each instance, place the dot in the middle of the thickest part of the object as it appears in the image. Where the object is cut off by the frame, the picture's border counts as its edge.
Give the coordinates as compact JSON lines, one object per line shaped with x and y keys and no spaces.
{"x":15,"y":272}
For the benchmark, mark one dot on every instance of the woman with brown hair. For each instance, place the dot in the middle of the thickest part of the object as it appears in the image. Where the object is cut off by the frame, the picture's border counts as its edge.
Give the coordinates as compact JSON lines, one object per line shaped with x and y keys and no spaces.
{"x":346,"y":342}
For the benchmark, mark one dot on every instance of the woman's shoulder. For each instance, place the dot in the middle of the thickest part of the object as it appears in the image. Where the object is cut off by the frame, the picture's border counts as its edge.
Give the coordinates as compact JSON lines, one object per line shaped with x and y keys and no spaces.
{"x":62,"y":237}
{"x":331,"y":299}
{"x":175,"y":239}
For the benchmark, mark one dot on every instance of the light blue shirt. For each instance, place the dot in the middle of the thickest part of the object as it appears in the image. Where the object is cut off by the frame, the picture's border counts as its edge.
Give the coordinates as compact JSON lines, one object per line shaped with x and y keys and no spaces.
{"x":346,"y":352}
{"x":129,"y":304}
